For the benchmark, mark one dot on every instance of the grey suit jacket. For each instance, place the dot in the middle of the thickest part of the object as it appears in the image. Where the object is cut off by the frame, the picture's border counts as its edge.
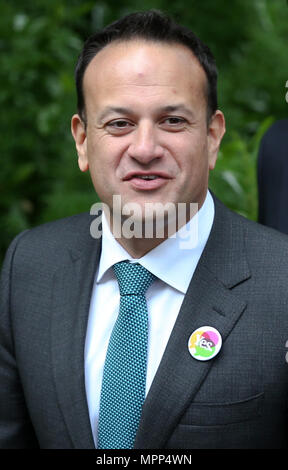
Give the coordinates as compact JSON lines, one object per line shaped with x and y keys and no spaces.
{"x":236,"y":400}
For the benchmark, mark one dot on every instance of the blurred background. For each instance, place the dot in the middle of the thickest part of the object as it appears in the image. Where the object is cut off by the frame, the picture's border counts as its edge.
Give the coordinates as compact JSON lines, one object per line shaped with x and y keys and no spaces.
{"x":39,"y":44}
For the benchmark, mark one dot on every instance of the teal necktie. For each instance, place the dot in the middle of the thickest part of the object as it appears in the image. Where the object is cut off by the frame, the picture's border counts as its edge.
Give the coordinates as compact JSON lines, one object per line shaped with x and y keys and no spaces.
{"x":124,"y":376}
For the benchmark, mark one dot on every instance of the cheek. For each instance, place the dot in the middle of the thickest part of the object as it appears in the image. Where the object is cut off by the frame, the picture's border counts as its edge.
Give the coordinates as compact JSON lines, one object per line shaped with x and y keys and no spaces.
{"x":194,"y":169}
{"x":188,"y":146}
{"x":104,"y":157}
{"x":101,"y":155}
{"x":192,"y":158}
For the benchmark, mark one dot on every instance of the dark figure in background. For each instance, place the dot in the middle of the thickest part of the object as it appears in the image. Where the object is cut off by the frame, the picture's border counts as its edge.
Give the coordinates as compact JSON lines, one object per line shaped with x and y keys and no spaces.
{"x":273,"y":177}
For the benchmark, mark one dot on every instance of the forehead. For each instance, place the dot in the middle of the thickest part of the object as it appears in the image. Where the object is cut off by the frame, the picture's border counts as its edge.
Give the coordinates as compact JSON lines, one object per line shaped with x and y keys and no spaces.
{"x":144,"y":66}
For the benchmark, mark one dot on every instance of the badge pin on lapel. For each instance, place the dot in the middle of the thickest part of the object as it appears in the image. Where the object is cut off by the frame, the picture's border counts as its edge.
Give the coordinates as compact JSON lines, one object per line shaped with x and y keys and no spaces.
{"x":204,"y":343}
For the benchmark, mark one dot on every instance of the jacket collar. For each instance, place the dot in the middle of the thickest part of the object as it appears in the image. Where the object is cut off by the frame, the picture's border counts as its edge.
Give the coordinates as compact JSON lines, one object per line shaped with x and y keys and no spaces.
{"x":209,"y":301}
{"x":72,"y":289}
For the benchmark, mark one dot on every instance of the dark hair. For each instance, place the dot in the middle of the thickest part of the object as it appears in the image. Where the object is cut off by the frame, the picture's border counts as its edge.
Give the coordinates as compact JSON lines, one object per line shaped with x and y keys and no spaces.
{"x":150,"y":25}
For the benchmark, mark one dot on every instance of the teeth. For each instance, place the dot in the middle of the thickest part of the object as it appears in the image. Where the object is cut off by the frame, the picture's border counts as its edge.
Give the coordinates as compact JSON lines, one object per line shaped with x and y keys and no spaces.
{"x":147,"y":177}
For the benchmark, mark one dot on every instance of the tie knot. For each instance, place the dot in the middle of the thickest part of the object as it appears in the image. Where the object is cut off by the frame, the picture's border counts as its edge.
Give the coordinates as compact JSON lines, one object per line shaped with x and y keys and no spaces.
{"x":132,"y":278}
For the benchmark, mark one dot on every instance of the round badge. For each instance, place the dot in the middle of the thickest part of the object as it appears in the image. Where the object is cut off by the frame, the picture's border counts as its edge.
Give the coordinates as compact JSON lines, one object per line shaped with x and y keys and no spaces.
{"x":204,"y":343}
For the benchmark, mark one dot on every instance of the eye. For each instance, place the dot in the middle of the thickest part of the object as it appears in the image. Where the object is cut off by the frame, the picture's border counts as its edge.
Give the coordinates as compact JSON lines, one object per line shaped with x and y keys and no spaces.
{"x":119,"y":126}
{"x":173,"y":123}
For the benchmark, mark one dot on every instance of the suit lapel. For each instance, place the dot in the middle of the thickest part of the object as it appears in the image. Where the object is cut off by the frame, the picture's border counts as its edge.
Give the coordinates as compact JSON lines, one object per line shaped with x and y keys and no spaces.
{"x":209,"y":302}
{"x":71,"y":300}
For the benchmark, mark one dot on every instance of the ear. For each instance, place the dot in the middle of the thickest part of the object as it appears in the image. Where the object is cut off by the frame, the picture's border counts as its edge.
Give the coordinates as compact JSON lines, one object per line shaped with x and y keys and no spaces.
{"x":79,"y":134}
{"x":216,"y":131}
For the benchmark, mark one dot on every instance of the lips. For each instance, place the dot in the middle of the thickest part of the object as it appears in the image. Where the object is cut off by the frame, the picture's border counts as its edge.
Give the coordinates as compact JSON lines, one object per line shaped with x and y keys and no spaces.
{"x":146,"y":175}
{"x":146,"y":180}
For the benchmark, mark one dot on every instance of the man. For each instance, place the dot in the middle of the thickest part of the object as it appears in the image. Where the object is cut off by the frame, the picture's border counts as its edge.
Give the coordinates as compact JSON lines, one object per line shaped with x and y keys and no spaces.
{"x":272,"y":172}
{"x":148,"y":129}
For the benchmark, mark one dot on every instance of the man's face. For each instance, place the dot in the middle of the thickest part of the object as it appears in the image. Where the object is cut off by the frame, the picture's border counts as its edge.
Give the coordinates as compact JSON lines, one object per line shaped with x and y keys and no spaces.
{"x":147,"y":138}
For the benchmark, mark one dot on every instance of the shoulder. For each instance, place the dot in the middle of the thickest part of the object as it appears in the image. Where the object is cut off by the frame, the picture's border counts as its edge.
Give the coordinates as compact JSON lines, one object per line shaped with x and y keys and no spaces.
{"x":52,"y":240}
{"x":258,"y":239}
{"x":277,"y":129}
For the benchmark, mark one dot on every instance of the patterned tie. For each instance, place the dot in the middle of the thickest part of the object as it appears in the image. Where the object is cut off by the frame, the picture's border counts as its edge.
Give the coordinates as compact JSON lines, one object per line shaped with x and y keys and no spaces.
{"x":124,"y":376}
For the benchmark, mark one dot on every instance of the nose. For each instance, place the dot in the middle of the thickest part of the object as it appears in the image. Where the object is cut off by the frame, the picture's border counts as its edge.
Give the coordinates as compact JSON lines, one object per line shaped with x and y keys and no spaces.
{"x":145,"y":146}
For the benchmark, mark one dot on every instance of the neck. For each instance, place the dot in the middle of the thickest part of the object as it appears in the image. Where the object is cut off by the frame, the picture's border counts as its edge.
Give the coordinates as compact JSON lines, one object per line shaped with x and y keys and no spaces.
{"x":138,"y":237}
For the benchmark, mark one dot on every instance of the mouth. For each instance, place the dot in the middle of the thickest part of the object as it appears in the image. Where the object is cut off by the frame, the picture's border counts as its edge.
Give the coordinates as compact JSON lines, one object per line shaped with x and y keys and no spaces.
{"x":147,"y":176}
{"x":147,"y":181}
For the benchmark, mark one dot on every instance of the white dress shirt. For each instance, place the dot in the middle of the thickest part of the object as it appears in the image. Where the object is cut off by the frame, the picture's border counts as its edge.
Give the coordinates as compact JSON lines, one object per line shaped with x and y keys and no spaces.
{"x":173,"y":264}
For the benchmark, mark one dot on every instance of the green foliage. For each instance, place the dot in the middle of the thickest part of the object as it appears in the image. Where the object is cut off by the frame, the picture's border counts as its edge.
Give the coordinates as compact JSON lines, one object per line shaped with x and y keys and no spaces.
{"x":234,"y":178}
{"x":39,"y":45}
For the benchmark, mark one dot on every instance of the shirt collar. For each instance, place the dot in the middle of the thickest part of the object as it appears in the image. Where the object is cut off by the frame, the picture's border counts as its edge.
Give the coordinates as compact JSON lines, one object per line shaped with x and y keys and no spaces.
{"x":174,"y":260}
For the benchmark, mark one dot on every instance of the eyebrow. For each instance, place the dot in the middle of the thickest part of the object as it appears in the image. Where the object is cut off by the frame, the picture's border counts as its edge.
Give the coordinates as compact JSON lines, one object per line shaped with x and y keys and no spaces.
{"x":165,"y":109}
{"x":113,"y":109}
{"x":178,"y":107}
